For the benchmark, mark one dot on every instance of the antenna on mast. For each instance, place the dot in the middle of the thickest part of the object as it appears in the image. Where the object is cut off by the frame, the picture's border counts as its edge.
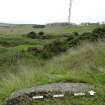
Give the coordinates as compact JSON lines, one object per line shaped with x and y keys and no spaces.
{"x":69,"y":17}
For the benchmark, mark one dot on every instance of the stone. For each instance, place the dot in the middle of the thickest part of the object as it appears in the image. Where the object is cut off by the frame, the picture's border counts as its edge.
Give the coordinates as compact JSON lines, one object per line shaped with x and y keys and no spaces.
{"x":26,"y":96}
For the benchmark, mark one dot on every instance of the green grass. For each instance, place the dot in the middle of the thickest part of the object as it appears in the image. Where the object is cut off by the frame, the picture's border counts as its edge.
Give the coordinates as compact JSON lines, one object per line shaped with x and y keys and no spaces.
{"x":11,"y":41}
{"x":83,"y":64}
{"x":81,"y":29}
{"x":57,"y":30}
{"x":20,"y":69}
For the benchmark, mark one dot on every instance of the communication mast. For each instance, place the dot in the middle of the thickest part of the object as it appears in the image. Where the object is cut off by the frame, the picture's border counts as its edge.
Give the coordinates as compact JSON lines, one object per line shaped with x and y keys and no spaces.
{"x":70,"y":8}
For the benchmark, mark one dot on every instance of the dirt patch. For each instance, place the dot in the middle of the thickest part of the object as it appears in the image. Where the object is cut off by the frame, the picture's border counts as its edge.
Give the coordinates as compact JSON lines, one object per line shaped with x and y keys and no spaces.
{"x":24,"y":97}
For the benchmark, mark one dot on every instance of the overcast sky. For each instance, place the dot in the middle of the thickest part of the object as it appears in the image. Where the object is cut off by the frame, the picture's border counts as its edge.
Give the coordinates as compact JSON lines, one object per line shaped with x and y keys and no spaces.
{"x":48,"y":11}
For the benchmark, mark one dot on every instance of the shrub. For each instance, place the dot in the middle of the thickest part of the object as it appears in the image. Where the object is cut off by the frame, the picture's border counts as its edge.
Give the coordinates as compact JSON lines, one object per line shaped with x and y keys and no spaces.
{"x":87,"y":36}
{"x":53,"y":49}
{"x":32,"y":35}
{"x":71,"y":37}
{"x":38,"y":26}
{"x":99,"y":32}
{"x":73,"y":40}
{"x":41,"y":33}
{"x":75,"y":33}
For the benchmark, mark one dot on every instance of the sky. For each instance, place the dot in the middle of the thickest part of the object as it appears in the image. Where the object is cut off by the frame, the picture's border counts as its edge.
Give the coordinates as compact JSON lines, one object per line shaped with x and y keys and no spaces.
{"x":49,"y":11}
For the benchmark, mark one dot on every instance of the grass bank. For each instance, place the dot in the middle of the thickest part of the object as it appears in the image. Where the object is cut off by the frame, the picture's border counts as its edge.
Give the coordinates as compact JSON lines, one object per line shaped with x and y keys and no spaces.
{"x":83,"y":64}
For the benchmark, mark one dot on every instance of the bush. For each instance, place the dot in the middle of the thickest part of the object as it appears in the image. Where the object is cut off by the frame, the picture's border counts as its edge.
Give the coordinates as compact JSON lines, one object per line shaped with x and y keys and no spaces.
{"x":51,"y":49}
{"x":32,"y":35}
{"x":41,"y":33}
{"x":76,"y":33}
{"x":87,"y":36}
{"x":73,"y":40}
{"x":38,"y":26}
{"x":71,"y":37}
{"x":99,"y":32}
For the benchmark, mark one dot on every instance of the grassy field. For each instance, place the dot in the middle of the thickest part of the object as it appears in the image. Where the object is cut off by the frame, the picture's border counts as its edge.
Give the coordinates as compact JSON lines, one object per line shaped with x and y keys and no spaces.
{"x":58,"y":30}
{"x":20,"y":69}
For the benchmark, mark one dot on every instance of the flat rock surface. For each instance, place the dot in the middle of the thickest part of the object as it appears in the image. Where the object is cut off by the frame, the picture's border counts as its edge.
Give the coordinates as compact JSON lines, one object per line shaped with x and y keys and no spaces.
{"x":27,"y":94}
{"x":60,"y":87}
